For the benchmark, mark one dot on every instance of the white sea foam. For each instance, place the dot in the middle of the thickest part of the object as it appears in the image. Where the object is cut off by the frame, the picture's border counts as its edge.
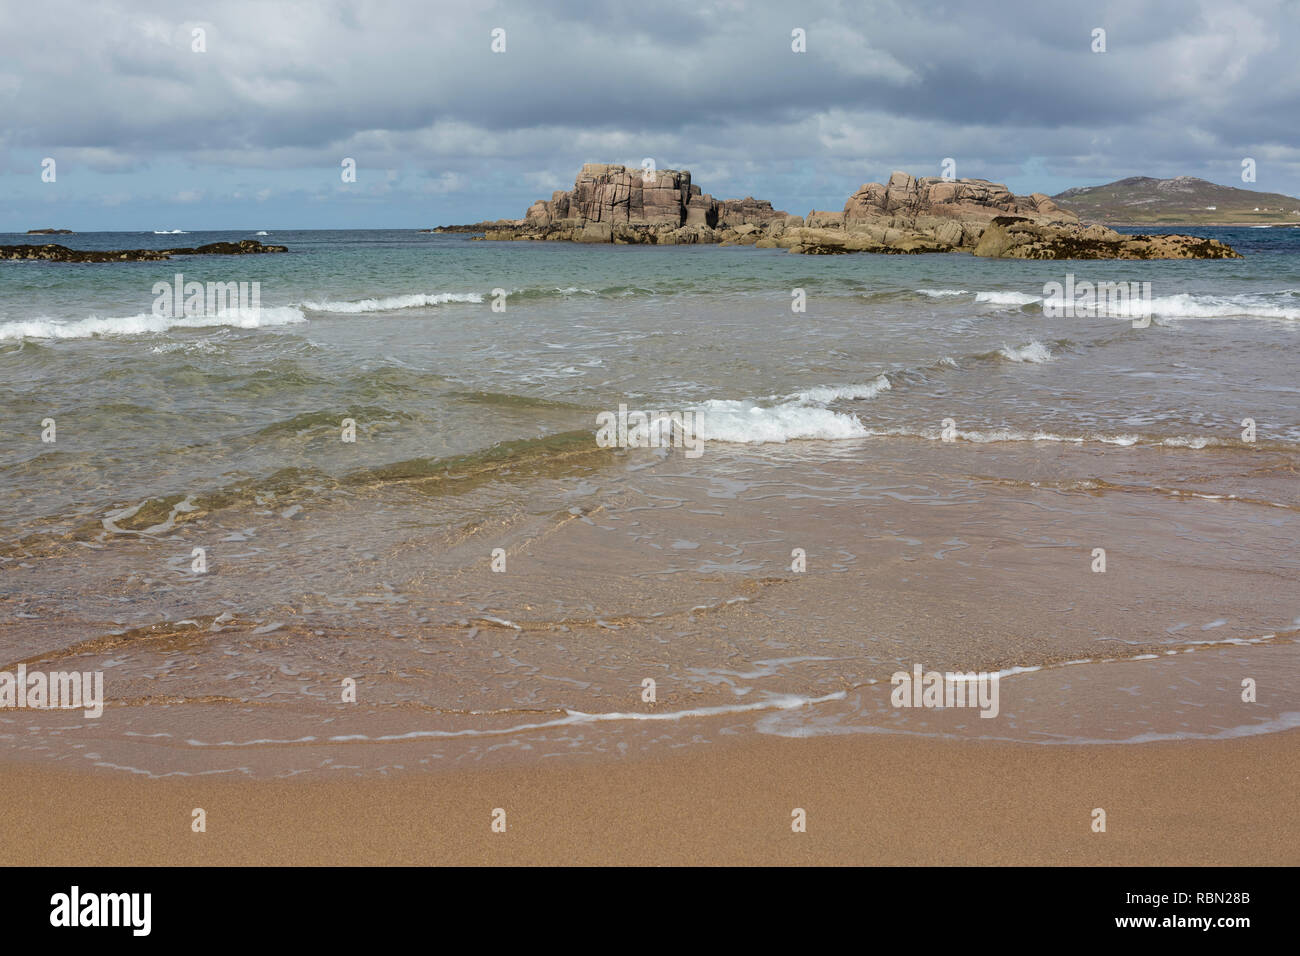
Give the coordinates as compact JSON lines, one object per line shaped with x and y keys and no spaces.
{"x":834,"y":393}
{"x":774,"y":702}
{"x":778,"y":725}
{"x":202,"y":347}
{"x":797,"y":415}
{"x":1189,"y":306}
{"x":992,"y":435}
{"x":749,"y":422}
{"x":1036,"y":353}
{"x":995,"y":297}
{"x":110,"y":520}
{"x":391,"y":303}
{"x":1006,"y":298}
{"x":1010,"y":434}
{"x":146,"y":322}
{"x":170,"y":232}
{"x":1278,"y":305}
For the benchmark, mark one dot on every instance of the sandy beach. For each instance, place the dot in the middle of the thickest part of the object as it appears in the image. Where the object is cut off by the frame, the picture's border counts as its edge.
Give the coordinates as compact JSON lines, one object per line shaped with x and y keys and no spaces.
{"x":873,"y":801}
{"x":507,"y":438}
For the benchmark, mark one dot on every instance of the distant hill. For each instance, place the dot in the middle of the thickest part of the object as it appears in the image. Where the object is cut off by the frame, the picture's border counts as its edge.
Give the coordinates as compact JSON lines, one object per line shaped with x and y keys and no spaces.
{"x":1184,"y":200}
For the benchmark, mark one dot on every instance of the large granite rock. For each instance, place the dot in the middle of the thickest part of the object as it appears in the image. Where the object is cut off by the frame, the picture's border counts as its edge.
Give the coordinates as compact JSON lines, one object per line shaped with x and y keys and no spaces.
{"x":977,"y":200}
{"x":746,"y":212}
{"x":622,"y":204}
{"x":948,"y":213}
{"x":930,"y":214}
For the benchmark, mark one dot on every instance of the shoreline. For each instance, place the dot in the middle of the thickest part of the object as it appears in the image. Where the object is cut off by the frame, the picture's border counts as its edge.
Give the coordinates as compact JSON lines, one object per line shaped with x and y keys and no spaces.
{"x":1197,"y":225}
{"x":869,"y":801}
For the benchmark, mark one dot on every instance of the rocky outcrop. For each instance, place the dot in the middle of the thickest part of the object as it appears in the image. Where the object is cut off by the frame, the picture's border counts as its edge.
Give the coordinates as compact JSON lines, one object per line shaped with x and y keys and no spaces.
{"x":621,"y":204}
{"x":912,"y":200}
{"x":819,"y":219}
{"x":909,"y":215}
{"x":56,"y":253}
{"x":906,"y":215}
{"x":746,"y":212}
{"x":50,"y":232}
{"x":1014,"y":237}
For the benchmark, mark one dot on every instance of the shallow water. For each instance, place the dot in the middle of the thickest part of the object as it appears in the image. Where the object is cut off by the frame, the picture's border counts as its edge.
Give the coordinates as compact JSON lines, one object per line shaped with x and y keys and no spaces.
{"x":824,"y":431}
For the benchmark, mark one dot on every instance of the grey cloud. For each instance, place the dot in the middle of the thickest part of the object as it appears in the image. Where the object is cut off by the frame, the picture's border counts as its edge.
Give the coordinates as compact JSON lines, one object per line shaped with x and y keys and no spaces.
{"x":1183,"y":87}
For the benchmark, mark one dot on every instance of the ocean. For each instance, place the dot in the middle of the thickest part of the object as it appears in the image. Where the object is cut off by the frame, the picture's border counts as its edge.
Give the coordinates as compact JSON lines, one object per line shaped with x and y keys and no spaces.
{"x":383,"y":482}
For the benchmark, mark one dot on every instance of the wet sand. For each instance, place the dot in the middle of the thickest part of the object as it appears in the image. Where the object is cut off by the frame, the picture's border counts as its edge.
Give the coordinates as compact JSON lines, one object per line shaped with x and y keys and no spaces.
{"x":918,"y":554}
{"x":869,"y":800}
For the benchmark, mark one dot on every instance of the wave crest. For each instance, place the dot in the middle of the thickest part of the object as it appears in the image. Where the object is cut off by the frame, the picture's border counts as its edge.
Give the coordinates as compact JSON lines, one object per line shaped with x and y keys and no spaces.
{"x":391,"y":303}
{"x":146,"y":322}
{"x":1035,"y":353}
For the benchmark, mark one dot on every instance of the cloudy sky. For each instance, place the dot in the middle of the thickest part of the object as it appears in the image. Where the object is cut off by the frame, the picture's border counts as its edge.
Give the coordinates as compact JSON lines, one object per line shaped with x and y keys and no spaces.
{"x":146,"y":132}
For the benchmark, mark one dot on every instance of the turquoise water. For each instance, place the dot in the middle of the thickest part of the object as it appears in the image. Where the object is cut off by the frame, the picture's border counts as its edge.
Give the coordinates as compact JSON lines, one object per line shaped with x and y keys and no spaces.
{"x":397,"y":331}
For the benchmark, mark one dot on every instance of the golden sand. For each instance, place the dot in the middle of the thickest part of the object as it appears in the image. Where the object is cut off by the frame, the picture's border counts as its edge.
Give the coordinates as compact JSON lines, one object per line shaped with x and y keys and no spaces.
{"x":868,"y":800}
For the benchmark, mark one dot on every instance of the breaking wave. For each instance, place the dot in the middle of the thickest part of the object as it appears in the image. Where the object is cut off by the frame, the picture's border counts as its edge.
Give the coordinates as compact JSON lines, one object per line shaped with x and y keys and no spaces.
{"x":1035,"y":353}
{"x":1006,"y":298}
{"x":798,"y":415}
{"x":750,"y":423}
{"x":1282,"y":304}
{"x":146,"y":322}
{"x":390,"y":303}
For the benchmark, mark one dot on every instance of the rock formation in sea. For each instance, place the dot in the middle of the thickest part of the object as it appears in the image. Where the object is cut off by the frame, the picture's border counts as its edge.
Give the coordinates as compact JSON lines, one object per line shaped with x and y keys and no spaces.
{"x":1014,"y":237}
{"x":56,"y":253}
{"x":50,"y":232}
{"x":610,"y":203}
{"x":931,"y":214}
{"x":620,"y":204}
{"x":908,"y":215}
